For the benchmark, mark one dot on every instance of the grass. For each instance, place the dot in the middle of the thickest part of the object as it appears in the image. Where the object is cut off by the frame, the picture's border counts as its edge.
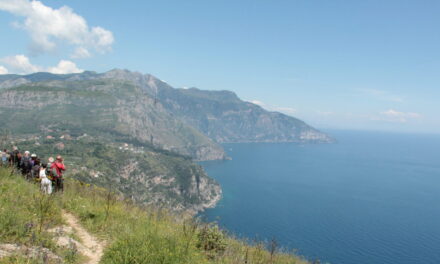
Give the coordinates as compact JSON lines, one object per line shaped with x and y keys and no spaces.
{"x":25,"y":217}
{"x":133,"y":234}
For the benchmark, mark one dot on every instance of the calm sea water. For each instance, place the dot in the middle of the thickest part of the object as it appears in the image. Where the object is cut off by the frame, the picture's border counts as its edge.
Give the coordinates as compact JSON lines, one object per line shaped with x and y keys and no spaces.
{"x":370,"y":198}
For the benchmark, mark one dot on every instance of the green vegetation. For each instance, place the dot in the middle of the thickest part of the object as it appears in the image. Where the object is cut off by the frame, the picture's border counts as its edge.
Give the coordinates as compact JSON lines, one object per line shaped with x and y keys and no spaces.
{"x":133,"y":234}
{"x":147,"y":175}
{"x":26,"y":215}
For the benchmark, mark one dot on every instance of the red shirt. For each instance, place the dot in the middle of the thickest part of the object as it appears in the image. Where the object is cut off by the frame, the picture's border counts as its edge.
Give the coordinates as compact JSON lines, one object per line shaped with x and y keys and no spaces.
{"x":59,"y":167}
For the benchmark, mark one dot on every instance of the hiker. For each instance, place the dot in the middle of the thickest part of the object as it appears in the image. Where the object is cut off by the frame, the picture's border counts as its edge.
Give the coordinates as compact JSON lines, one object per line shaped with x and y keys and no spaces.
{"x":33,"y":159}
{"x":50,"y":160}
{"x":49,"y":173}
{"x":4,"y":155}
{"x":25,"y":164}
{"x":15,"y":159}
{"x":57,"y":168}
{"x":35,"y":171}
{"x":45,"y":183}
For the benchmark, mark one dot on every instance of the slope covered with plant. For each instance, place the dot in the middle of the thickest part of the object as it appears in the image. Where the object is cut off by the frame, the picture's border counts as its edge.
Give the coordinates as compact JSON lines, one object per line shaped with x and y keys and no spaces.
{"x":131,"y":234}
{"x":143,"y":174}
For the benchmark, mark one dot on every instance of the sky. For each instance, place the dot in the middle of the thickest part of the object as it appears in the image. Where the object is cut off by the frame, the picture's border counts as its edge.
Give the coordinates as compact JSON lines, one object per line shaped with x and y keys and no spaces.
{"x":366,"y":65}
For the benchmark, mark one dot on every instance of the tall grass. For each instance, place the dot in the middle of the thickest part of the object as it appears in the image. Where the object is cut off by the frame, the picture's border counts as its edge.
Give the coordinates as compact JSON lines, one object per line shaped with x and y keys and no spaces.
{"x":25,"y":216}
{"x":137,"y":234}
{"x":133,"y":234}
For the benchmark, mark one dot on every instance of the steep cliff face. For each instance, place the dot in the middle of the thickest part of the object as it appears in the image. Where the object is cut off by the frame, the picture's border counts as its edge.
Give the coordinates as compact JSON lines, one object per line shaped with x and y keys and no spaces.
{"x":196,"y":188}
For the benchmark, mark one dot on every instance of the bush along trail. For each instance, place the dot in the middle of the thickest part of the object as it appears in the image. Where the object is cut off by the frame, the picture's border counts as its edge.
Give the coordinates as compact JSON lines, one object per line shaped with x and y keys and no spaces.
{"x":89,"y":224}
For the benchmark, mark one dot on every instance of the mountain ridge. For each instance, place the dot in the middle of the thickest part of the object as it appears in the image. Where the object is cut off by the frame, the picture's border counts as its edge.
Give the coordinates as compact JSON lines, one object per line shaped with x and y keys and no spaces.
{"x":220,"y":115}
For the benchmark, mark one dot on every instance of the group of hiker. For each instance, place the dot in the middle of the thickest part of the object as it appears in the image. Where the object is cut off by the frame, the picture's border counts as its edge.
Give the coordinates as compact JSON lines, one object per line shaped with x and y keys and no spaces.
{"x":50,"y":174}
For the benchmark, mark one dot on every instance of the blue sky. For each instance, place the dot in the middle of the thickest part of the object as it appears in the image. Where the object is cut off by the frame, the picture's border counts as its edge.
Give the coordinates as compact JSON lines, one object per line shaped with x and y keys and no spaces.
{"x":335,"y":64}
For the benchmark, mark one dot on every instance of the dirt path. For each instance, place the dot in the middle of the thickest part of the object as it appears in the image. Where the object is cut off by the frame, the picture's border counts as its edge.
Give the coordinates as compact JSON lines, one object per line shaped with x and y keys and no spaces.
{"x":92,"y":247}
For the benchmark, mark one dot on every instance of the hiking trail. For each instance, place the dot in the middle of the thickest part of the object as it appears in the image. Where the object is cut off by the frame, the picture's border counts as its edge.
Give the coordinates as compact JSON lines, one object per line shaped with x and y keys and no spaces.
{"x":91,"y":247}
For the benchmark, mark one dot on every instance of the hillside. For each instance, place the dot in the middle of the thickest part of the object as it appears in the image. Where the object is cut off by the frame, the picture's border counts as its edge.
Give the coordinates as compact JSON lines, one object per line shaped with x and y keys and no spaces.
{"x":92,"y":225}
{"x":142,"y":174}
{"x":108,"y":109}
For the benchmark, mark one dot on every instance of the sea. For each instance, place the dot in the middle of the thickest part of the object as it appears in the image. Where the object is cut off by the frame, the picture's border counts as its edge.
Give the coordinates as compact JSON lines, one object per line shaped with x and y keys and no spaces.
{"x":370,"y":198}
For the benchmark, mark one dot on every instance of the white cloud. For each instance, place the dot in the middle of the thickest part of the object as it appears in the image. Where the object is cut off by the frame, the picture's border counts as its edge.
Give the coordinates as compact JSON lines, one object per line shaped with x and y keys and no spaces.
{"x":3,"y":70}
{"x":394,"y":116}
{"x":80,"y":53}
{"x":49,"y":27}
{"x":21,"y":64}
{"x":65,"y":67}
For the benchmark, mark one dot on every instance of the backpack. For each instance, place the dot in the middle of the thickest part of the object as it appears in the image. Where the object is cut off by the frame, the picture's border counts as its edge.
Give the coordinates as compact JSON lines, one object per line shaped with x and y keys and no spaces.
{"x":26,"y":162}
{"x":49,"y":172}
{"x":54,"y":172}
{"x":14,"y":156}
{"x":35,"y":172}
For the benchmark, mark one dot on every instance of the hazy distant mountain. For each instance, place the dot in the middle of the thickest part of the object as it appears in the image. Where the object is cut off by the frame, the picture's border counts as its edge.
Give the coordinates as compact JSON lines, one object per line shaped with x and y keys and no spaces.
{"x":220,"y":115}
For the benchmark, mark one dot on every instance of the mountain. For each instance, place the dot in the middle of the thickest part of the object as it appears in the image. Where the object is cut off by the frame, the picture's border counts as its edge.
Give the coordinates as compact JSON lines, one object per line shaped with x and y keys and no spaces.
{"x":102,"y":108}
{"x":220,"y":115}
{"x":11,"y":80}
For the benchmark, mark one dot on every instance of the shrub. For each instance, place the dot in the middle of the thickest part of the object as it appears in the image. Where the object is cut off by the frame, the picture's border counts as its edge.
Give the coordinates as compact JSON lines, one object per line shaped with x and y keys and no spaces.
{"x":212,"y":240}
